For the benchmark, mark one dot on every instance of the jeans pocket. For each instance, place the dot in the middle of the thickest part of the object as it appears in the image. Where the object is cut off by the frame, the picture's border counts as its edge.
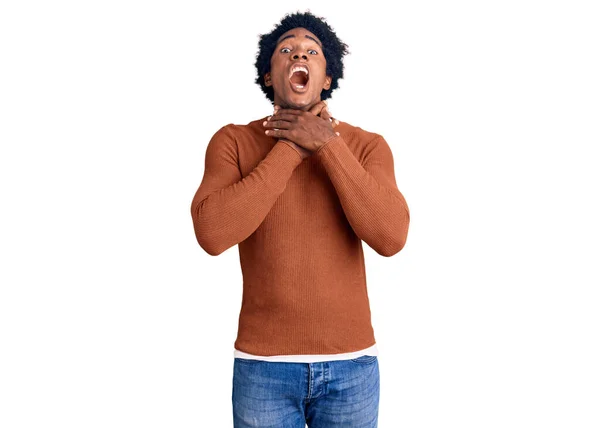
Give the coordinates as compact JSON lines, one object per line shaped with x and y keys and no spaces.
{"x":364,"y":359}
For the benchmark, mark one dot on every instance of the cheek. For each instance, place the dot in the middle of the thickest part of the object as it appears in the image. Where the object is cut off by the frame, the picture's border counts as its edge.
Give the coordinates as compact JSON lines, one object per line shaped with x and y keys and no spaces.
{"x":321,"y":74}
{"x":319,"y":79}
{"x":278,"y":73}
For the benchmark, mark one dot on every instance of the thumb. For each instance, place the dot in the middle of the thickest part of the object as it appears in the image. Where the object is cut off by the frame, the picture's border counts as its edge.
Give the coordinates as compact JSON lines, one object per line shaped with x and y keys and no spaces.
{"x":325,"y":114}
{"x":318,"y":108}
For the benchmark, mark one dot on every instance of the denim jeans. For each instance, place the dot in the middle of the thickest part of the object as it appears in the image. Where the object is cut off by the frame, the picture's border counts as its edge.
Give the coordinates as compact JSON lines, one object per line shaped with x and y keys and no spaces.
{"x":339,"y":393}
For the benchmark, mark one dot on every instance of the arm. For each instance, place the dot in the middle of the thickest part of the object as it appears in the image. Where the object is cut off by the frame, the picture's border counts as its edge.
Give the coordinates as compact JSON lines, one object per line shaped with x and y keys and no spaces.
{"x":227,"y":208}
{"x":374,"y":207}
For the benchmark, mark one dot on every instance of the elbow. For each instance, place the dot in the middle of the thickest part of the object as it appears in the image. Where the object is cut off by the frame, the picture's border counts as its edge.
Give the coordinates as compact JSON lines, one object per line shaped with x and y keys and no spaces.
{"x":395,"y":239}
{"x":391,"y":247}
{"x":211,"y":248}
{"x":207,"y":241}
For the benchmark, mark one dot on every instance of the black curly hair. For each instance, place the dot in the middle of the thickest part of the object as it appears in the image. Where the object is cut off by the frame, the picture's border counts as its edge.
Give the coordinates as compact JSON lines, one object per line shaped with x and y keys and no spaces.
{"x":333,"y":49}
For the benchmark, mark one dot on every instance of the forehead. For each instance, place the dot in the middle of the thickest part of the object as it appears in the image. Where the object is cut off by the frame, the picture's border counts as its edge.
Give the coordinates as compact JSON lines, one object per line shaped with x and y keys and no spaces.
{"x":299,"y":33}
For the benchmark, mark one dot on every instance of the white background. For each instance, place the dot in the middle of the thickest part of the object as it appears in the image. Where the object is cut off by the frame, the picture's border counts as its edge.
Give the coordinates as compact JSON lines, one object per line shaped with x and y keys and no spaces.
{"x":111,"y":315}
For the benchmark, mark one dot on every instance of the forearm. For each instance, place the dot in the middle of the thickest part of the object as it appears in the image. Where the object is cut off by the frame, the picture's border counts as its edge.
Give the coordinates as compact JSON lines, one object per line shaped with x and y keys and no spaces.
{"x":373,"y":205}
{"x":226,"y":216}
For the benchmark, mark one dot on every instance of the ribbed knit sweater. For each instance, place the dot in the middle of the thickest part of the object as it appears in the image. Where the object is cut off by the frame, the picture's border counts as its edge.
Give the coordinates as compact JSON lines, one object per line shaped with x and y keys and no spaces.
{"x":299,"y":226}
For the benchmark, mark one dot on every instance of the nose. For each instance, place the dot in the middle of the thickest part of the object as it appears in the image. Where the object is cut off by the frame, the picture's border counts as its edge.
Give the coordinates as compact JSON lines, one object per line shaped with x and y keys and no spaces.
{"x":303,"y":56}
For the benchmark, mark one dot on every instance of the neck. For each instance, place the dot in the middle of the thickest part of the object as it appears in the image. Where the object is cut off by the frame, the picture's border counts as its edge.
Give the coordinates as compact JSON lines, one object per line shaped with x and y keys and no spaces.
{"x":283,"y":104}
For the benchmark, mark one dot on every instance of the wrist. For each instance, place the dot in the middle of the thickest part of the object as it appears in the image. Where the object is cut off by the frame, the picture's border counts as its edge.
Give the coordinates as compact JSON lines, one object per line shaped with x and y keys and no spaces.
{"x":294,"y":146}
{"x":332,"y":137}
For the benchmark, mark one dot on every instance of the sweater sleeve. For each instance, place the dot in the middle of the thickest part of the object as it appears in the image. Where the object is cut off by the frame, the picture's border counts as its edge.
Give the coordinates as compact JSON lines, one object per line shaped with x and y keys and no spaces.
{"x":227,"y":208}
{"x":374,"y":207}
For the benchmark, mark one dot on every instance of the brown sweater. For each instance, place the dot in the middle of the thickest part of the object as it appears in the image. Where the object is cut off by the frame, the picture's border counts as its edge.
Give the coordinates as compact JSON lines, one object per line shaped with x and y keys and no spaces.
{"x":298,"y":225}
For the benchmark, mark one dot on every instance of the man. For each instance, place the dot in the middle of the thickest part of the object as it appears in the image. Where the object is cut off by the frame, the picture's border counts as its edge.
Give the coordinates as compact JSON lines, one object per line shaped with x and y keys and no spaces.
{"x":297,"y":192}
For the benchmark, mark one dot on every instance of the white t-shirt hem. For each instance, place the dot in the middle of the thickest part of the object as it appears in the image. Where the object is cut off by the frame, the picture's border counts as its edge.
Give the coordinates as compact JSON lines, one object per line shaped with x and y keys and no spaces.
{"x":311,"y":358}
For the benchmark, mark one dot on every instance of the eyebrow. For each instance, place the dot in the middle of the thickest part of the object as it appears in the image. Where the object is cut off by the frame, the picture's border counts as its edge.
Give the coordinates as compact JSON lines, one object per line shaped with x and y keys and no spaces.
{"x":306,"y":35}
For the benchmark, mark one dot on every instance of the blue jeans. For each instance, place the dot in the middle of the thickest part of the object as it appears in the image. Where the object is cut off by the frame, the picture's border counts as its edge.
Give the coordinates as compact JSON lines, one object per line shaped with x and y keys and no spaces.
{"x":339,"y":393}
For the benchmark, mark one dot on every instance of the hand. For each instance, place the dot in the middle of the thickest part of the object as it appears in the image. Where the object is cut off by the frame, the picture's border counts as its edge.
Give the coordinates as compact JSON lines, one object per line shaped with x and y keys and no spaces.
{"x":306,"y":130}
{"x":323,"y":111}
{"x":319,"y":109}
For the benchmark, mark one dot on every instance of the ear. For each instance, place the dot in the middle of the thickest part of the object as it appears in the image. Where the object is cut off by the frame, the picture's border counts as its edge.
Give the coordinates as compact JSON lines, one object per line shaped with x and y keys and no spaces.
{"x":268,"y":79}
{"x":327,"y":83}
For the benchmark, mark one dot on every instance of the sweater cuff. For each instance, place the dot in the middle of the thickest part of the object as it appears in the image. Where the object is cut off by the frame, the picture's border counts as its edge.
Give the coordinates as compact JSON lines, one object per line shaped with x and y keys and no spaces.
{"x":329,"y":142}
{"x":285,"y":143}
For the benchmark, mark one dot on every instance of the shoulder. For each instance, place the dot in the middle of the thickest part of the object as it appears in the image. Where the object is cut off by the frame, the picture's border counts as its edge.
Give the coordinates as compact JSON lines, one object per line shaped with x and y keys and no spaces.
{"x":360,"y":135}
{"x":223,"y":140}
{"x":242,"y":131}
{"x":360,"y":140}
{"x":248,"y":126}
{"x":225,"y":132}
{"x":368,"y":146}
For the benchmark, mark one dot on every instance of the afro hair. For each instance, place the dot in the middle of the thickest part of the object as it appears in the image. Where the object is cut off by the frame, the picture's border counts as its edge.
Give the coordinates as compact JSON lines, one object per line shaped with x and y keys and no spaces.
{"x":333,"y":49}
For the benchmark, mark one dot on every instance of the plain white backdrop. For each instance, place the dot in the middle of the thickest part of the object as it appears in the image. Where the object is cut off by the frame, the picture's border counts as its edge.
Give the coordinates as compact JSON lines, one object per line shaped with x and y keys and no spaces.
{"x":111,"y":315}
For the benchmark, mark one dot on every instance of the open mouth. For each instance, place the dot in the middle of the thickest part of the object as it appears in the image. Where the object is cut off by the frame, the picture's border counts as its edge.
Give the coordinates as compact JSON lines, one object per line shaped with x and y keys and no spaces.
{"x":299,"y":78}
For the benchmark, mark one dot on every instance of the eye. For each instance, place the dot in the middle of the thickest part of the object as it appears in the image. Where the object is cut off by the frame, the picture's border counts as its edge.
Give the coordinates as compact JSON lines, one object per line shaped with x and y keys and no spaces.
{"x":313,"y":50}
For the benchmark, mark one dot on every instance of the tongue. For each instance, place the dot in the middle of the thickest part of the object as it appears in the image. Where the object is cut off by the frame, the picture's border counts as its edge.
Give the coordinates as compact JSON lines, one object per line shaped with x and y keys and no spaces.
{"x":299,"y":78}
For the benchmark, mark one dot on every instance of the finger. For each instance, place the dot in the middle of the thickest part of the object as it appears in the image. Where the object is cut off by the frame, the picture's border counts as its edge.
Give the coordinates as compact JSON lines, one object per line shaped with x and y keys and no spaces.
{"x":334,"y":121}
{"x":318,"y":108}
{"x":279,"y":133}
{"x":293,"y":112}
{"x":329,"y":117}
{"x":290,"y":111}
{"x":282,"y":117}
{"x":283,"y":124}
{"x":325,"y":114}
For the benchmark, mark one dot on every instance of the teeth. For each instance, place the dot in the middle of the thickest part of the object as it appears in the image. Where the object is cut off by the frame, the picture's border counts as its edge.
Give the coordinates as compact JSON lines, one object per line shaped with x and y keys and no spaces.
{"x":298,"y":68}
